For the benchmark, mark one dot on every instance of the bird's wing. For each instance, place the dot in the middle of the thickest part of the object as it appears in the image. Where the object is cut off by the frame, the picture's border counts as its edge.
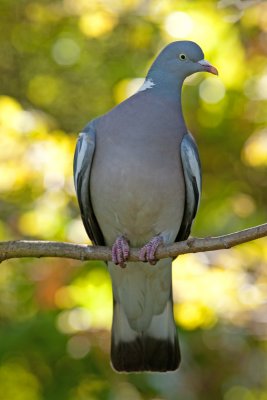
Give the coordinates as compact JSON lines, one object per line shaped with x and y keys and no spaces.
{"x":193,"y":181}
{"x":83,"y":159}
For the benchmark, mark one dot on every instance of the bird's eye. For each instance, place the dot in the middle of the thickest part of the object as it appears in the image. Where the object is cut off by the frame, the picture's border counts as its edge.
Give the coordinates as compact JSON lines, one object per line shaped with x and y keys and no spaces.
{"x":182,"y":56}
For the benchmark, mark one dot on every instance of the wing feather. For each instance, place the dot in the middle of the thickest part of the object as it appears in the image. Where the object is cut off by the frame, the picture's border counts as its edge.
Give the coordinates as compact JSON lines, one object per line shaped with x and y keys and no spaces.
{"x":193,"y":181}
{"x":83,"y":159}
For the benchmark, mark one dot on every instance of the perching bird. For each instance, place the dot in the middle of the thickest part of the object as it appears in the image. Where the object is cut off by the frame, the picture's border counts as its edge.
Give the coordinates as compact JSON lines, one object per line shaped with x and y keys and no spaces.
{"x":138,"y":181}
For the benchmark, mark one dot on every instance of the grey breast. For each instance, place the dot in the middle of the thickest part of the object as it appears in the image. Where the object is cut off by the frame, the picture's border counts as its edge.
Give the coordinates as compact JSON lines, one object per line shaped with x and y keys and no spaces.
{"x":137,"y":182}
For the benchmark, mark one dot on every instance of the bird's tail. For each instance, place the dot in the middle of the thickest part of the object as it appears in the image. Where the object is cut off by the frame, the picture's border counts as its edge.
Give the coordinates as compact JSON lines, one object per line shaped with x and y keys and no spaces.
{"x":156,"y":349}
{"x":145,"y":342}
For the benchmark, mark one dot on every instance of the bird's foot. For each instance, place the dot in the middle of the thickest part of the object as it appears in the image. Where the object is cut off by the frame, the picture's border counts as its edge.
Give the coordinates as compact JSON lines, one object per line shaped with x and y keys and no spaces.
{"x":120,"y":251}
{"x":147,"y":253}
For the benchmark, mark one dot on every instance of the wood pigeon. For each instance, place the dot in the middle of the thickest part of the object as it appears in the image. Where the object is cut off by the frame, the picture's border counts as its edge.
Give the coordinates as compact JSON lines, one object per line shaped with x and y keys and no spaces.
{"x":137,"y":176}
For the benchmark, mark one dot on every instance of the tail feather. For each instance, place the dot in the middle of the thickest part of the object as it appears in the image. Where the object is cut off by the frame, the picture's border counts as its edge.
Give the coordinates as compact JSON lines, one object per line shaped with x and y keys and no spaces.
{"x":156,"y":349}
{"x":145,"y":354}
{"x":144,"y":336}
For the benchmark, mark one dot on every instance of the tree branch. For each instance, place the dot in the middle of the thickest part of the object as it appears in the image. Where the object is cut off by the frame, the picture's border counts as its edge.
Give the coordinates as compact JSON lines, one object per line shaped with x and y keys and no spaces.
{"x":38,"y":248}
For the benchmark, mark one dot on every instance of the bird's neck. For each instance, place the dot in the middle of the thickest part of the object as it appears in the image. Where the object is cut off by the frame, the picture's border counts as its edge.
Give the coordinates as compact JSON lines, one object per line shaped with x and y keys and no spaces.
{"x":166,"y":87}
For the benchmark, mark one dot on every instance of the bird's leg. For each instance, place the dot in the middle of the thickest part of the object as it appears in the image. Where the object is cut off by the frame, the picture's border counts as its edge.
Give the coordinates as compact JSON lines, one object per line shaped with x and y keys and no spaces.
{"x":147,"y":253}
{"x":120,"y":251}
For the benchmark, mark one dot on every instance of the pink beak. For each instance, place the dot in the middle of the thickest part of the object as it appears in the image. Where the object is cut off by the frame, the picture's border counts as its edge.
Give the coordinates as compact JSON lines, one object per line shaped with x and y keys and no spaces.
{"x":208,"y":67}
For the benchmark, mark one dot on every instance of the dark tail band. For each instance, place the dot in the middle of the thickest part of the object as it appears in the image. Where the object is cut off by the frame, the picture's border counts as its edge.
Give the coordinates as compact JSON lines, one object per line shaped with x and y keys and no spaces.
{"x":145,"y":354}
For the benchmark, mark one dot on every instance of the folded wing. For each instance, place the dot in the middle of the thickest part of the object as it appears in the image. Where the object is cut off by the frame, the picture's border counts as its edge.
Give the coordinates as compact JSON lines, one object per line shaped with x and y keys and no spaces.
{"x":193,"y":181}
{"x":83,"y":159}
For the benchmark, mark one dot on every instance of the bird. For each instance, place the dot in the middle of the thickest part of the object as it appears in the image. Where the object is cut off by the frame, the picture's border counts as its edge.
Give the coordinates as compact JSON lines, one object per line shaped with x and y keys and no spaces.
{"x":137,"y":176}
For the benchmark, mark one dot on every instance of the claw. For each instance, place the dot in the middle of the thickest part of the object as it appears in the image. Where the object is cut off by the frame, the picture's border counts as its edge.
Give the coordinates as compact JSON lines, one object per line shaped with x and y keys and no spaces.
{"x":147,"y":253}
{"x":120,"y":251}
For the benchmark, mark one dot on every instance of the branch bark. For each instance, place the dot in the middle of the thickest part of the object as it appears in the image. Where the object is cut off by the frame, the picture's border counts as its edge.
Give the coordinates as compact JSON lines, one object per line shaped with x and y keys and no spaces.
{"x":37,"y":248}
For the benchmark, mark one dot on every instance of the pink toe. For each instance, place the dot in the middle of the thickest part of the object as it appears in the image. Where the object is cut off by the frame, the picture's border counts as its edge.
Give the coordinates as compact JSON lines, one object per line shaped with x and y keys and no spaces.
{"x":114,"y":254}
{"x":142,"y":254}
{"x":120,"y":251}
{"x":147,"y":253}
{"x":125,"y":248}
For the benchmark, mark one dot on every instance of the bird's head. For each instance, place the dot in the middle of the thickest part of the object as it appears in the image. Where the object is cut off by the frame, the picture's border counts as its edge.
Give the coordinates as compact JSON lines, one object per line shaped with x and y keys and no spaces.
{"x":181,"y":59}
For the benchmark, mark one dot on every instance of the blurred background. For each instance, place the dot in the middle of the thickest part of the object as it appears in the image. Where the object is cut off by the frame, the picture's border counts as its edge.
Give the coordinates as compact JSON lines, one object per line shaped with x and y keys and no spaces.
{"x":63,"y":63}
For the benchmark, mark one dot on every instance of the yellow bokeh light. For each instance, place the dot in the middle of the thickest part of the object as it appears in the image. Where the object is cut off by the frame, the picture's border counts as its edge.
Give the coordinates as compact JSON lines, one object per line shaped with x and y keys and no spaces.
{"x":18,"y":382}
{"x":9,"y":176}
{"x":202,"y":294}
{"x":97,"y":24}
{"x":239,"y":392}
{"x":55,"y":150}
{"x":212,"y":90}
{"x":40,"y":222}
{"x":66,"y":51}
{"x":178,"y":24}
{"x":79,"y":319}
{"x":9,"y":108}
{"x":255,"y":87}
{"x":229,"y":66}
{"x":76,"y":232}
{"x":243,"y":205}
{"x":43,"y":89}
{"x":262,"y":87}
{"x":255,"y":150}
{"x":94,"y":293}
{"x":192,"y":315}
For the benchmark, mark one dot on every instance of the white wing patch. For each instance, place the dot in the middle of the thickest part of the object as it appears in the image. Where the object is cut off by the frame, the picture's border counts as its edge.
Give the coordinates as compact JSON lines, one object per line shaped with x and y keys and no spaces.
{"x":194,"y":166}
{"x":192,"y":170}
{"x":148,"y":84}
{"x":80,"y":156}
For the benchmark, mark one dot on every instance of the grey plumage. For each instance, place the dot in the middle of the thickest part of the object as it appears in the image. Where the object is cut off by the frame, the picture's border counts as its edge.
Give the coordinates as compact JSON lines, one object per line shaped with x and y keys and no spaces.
{"x":137,"y":175}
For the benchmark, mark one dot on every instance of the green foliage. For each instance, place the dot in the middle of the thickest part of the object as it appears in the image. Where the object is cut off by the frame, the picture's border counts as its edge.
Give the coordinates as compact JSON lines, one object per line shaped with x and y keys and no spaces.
{"x":63,"y":63}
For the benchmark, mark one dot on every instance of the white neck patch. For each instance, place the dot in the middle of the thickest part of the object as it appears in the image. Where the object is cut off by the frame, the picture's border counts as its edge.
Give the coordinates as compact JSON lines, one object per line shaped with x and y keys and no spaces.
{"x":148,"y":84}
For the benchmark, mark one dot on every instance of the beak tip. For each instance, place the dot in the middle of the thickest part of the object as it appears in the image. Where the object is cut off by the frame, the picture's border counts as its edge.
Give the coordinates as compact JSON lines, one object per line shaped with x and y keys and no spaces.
{"x":214,"y":70}
{"x":208,"y":67}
